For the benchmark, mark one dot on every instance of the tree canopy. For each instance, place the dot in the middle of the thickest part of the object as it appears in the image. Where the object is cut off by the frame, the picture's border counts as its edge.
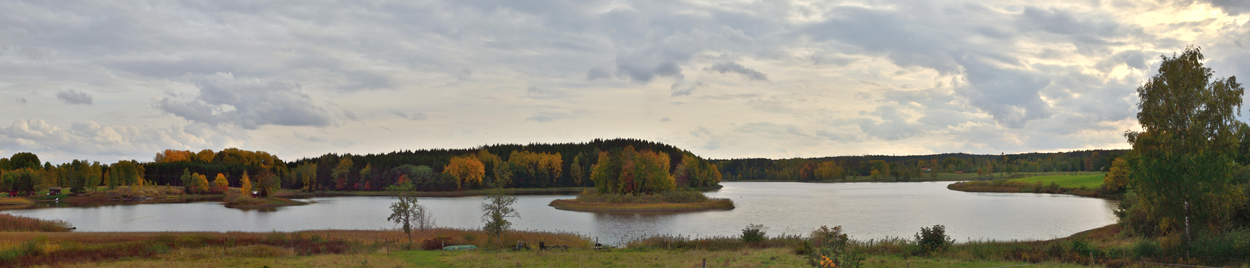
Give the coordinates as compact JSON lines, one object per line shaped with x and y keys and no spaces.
{"x":1182,"y":161}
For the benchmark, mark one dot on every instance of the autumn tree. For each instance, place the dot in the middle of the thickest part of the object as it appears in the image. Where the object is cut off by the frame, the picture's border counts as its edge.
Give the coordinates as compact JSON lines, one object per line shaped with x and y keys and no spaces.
{"x":342,"y":172}
{"x":199,"y":184}
{"x":882,"y":169}
{"x":530,"y":169}
{"x":220,"y":184}
{"x":1182,"y":163}
{"x":126,"y":172}
{"x":245,"y":185}
{"x":467,"y":170}
{"x":1116,"y":178}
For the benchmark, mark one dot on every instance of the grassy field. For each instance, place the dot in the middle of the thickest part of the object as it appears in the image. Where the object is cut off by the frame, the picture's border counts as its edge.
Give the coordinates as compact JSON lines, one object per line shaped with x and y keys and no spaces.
{"x":769,"y":257}
{"x":1088,"y":180}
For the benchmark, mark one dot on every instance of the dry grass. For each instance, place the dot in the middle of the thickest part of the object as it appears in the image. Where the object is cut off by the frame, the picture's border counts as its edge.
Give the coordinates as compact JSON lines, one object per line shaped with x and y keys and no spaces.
{"x":659,"y":258}
{"x":335,"y":260}
{"x":13,"y":223}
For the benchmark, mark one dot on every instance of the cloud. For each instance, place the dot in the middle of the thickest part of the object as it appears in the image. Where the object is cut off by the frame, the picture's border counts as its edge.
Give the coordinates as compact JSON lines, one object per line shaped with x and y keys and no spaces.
{"x":545,"y":94}
{"x":734,"y":67}
{"x":247,"y":103}
{"x":1232,"y":7}
{"x":70,"y":96}
{"x":683,"y":88}
{"x":544,"y":117}
{"x":413,"y":116}
{"x":88,"y":139}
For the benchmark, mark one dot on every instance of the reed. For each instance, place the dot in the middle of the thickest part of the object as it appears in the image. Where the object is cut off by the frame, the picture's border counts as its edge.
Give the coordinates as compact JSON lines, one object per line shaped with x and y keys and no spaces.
{"x":14,"y":223}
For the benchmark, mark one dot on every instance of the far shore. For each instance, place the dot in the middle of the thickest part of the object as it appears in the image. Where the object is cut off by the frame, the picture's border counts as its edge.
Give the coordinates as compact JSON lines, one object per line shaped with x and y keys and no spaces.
{"x":575,"y":205}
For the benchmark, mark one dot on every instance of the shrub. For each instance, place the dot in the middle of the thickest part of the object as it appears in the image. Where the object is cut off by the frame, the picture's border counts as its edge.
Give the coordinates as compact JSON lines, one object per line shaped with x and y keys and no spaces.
{"x":934,"y":239}
{"x":754,"y":233}
{"x":831,"y":248}
{"x":1146,"y":248}
{"x":1220,"y":248}
{"x":1082,"y":247}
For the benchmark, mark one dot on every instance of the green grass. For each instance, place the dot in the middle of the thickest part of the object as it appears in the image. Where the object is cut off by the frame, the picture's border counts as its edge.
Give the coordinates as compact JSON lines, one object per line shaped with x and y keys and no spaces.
{"x":1088,"y":180}
{"x":873,"y":261}
{"x":770,"y":257}
{"x":424,"y":258}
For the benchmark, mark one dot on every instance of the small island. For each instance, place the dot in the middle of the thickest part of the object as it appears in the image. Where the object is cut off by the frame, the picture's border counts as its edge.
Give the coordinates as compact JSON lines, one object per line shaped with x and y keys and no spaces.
{"x":671,"y":201}
{"x":639,"y":181}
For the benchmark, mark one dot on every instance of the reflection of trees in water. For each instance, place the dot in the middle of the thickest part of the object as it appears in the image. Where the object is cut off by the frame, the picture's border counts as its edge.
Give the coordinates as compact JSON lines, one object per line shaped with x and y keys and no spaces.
{"x":624,"y":227}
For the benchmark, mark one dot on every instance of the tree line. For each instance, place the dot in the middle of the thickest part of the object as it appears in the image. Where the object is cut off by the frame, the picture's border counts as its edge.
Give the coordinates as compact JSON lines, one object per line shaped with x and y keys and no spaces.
{"x":907,"y":168}
{"x":504,"y":165}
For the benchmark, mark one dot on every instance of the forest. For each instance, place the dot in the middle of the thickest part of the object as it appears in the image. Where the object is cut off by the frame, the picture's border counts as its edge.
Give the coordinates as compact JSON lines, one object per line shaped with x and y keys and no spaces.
{"x":908,"y":168}
{"x":504,"y":165}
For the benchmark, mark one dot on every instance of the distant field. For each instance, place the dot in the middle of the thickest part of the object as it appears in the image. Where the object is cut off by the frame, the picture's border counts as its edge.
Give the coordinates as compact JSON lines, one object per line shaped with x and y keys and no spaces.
{"x":1089,"y":180}
{"x":943,"y":176}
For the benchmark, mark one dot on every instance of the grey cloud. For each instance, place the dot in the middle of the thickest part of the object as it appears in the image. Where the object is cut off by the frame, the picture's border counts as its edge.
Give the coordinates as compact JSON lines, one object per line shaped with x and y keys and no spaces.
{"x":89,"y":139}
{"x":1232,"y":7}
{"x":350,"y":116}
{"x":665,"y":119}
{"x":413,"y":116}
{"x":71,"y":96}
{"x":685,"y":89}
{"x":544,"y":117}
{"x":893,"y":125}
{"x":665,"y":57}
{"x":734,"y":67}
{"x":247,"y":103}
{"x":1011,"y":96}
{"x":545,"y":94}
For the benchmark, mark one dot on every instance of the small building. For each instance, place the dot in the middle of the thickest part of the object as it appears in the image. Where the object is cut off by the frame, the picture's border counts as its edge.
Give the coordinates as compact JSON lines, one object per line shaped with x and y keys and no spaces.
{"x":54,"y":191}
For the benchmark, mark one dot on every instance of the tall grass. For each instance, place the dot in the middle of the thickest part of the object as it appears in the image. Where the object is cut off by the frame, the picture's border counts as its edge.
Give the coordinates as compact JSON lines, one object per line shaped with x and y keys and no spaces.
{"x":14,"y":223}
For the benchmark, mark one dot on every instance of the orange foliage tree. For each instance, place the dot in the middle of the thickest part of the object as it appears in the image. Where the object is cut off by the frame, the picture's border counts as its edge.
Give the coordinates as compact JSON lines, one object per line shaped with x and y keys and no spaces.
{"x":468,"y":170}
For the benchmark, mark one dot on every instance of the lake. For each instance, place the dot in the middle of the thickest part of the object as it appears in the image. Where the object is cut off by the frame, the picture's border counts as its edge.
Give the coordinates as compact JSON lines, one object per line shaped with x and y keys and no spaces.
{"x":864,"y":210}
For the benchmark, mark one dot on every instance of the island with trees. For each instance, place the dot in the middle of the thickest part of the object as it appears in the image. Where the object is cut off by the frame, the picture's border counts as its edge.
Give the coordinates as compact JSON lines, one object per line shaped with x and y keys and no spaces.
{"x":627,"y":180}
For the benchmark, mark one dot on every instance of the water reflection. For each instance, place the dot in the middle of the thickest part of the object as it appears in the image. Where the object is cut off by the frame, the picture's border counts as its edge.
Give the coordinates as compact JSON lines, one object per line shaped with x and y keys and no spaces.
{"x":864,"y":210}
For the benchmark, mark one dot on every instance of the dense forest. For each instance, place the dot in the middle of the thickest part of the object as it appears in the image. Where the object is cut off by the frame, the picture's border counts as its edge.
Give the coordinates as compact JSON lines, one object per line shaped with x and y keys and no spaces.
{"x":503,"y":165}
{"x":905,"y":168}
{"x":617,"y":165}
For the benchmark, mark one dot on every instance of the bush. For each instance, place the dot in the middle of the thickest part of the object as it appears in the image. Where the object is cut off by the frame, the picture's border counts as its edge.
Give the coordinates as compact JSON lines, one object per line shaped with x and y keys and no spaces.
{"x":1221,"y":248}
{"x":754,"y":233}
{"x":1146,"y":248}
{"x":932,"y":240}
{"x":831,"y":248}
{"x":1083,"y":248}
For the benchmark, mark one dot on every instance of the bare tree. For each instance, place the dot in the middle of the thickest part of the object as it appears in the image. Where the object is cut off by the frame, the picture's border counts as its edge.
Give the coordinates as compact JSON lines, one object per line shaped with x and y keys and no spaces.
{"x":408,"y":214}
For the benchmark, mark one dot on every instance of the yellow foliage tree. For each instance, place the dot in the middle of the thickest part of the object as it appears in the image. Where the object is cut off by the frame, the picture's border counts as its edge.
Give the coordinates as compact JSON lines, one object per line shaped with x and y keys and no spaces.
{"x":199,"y":183}
{"x":246,"y":188}
{"x":468,"y":170}
{"x":1117,"y":176}
{"x":220,"y":185}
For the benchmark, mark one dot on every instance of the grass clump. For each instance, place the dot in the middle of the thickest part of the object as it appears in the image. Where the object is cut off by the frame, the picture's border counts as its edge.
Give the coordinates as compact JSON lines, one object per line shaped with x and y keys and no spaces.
{"x":14,"y":223}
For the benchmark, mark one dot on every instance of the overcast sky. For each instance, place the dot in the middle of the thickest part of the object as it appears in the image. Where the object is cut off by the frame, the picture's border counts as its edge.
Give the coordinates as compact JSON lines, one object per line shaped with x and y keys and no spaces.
{"x":109,"y":80}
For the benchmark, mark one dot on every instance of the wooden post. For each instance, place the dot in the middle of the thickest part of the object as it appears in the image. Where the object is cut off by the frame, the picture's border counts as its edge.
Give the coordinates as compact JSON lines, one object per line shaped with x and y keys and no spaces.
{"x":704,"y":262}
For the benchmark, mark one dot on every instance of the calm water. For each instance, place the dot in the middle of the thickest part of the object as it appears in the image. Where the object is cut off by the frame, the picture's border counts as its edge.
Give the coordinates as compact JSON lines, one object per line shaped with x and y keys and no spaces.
{"x":864,"y":210}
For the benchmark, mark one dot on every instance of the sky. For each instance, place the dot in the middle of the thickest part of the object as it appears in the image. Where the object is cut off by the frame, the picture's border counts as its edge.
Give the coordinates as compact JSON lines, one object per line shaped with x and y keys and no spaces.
{"x":112,"y":80}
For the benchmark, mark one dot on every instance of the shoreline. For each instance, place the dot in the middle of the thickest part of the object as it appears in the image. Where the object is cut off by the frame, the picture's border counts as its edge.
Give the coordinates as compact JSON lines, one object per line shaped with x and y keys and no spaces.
{"x":986,"y":187}
{"x":714,"y":204}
